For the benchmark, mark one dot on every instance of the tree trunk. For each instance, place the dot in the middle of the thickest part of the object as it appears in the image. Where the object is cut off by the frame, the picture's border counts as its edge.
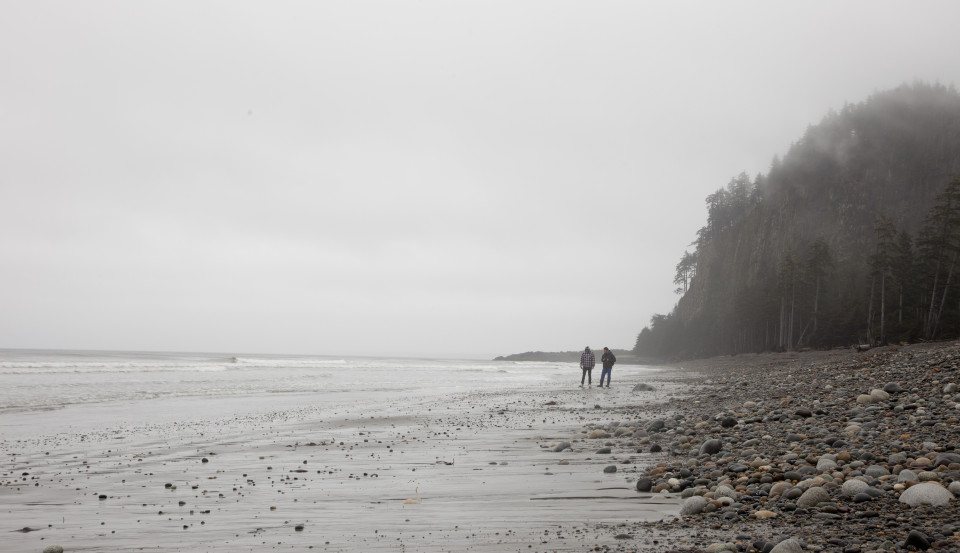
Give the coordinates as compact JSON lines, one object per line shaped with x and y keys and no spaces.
{"x":943,"y":299}
{"x":883,"y":287}
{"x":780,"y":338}
{"x":793,"y":296}
{"x":928,"y":320}
{"x":900,"y":308}
{"x":816,"y":305}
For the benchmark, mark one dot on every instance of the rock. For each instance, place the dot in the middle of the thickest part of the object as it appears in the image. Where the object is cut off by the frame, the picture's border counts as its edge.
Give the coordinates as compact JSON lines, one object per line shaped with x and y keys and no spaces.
{"x":781,"y":487}
{"x":917,"y":539}
{"x":644,"y":484}
{"x":693,"y":505}
{"x":907,"y":475}
{"x":927,"y":493}
{"x":825,"y":464}
{"x":643,"y":387}
{"x":892,"y":388}
{"x":803,"y":412}
{"x":711,"y":447}
{"x":954,"y":488}
{"x":792,"y":493}
{"x":851,"y":488}
{"x":53,"y":549}
{"x":878,"y":395}
{"x":562,"y":446}
{"x":791,"y":545}
{"x":655,"y":448}
{"x":603,"y":451}
{"x":596,"y":434}
{"x":946,"y":459}
{"x":609,"y":469}
{"x":724,"y":491}
{"x":722,"y":546}
{"x":813,"y":497}
{"x":950,"y":388}
{"x":763,"y":513}
{"x":656,"y":426}
{"x":728,"y":422}
{"x":876,"y":471}
{"x":864,"y":398}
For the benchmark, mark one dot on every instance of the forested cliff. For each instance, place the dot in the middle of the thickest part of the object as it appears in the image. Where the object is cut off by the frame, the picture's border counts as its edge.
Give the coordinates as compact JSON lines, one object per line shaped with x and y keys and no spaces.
{"x":853,"y":237}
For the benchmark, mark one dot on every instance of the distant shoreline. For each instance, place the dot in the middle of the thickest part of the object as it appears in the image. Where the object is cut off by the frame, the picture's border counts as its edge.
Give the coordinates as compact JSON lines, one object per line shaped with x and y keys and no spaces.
{"x":624,"y":357}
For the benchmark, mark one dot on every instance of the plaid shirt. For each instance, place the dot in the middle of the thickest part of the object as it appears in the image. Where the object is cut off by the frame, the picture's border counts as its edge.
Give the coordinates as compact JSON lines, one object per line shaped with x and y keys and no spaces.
{"x":587,"y":360}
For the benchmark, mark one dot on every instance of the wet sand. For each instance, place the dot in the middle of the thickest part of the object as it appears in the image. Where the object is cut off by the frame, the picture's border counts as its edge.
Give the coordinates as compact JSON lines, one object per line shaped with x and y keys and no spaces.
{"x":475,"y":472}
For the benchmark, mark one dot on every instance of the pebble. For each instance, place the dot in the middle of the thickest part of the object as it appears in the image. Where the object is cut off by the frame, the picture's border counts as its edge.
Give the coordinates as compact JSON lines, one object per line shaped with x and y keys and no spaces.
{"x":926,"y":494}
{"x":791,"y":545}
{"x":831,"y":445}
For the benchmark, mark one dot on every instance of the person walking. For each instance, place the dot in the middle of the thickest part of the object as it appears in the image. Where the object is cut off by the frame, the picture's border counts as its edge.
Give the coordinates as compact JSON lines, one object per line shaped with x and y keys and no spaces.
{"x":587,"y":362}
{"x":608,"y":360}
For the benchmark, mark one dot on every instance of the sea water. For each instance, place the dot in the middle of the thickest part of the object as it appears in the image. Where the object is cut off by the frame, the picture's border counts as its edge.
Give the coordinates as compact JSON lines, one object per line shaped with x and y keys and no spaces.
{"x":48,"y":392}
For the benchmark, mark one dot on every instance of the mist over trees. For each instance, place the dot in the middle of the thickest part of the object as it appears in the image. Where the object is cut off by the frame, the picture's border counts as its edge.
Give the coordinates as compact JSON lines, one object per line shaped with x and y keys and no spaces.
{"x":853,"y":237}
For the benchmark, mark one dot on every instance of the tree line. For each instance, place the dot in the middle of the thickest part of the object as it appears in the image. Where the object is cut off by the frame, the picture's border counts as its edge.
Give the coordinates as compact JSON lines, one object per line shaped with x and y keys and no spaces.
{"x":852,"y":238}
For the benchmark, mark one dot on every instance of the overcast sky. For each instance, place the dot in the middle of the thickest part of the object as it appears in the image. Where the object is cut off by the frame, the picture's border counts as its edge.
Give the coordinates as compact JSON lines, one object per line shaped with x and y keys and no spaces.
{"x":399,"y":177}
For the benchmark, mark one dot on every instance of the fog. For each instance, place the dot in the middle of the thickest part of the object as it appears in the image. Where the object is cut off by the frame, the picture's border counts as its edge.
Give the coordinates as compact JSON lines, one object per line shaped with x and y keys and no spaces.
{"x":399,"y":178}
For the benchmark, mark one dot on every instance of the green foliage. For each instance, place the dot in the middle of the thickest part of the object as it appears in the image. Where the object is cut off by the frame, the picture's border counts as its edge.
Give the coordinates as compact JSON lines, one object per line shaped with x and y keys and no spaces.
{"x":820,"y":252}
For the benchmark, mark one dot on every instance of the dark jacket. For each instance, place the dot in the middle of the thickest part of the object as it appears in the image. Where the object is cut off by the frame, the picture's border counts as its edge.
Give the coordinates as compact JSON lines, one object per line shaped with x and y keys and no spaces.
{"x":608,"y":360}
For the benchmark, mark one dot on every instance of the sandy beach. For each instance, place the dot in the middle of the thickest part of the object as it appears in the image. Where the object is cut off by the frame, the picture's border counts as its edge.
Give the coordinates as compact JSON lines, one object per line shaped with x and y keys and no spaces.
{"x":471,"y":472}
{"x":824,"y":451}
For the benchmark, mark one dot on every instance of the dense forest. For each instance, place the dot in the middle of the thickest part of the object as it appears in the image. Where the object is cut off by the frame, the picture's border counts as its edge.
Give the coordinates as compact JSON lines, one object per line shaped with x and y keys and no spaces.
{"x":853,"y":237}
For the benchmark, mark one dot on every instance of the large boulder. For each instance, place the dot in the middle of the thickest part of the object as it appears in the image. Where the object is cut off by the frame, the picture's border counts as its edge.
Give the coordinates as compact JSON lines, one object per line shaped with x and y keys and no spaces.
{"x":693,"y":505}
{"x":927,"y":493}
{"x":813,"y":497}
{"x":711,"y":447}
{"x":851,"y":488}
{"x":791,"y":545}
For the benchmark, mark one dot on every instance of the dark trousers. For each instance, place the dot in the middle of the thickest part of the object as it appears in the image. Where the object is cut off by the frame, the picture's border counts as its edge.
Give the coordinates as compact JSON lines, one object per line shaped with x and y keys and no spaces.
{"x":587,"y":375}
{"x":605,"y":373}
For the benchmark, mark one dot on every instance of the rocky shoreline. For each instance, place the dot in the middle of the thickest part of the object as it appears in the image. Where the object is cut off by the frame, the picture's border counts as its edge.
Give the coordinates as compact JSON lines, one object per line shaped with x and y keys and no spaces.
{"x":832,"y":451}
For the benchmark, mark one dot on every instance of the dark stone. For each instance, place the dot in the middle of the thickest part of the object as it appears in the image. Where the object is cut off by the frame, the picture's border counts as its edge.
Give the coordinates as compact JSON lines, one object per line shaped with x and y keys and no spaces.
{"x":603,"y":451}
{"x":644,"y":485}
{"x":862,"y":497}
{"x":656,"y":426}
{"x":946,"y":459}
{"x":803,"y":412}
{"x":655,"y":448}
{"x":711,"y":447}
{"x":610,"y":469}
{"x":893,"y":388}
{"x":918,"y":540}
{"x":728,"y":422}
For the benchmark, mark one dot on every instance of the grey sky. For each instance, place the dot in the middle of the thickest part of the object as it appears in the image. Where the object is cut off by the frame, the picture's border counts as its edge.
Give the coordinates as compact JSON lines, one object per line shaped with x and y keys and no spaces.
{"x":398,"y":177}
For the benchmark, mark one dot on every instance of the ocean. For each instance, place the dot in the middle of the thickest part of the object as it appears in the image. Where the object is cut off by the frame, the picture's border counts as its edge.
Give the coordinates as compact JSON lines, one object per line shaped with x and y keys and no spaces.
{"x":49,"y":392}
{"x":123,"y":451}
